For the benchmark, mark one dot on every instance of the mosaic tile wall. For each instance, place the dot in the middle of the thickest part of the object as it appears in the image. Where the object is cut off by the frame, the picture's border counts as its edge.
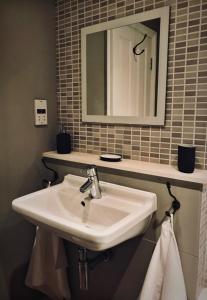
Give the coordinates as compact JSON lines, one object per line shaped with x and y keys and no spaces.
{"x":202,"y":262}
{"x":186,"y":98}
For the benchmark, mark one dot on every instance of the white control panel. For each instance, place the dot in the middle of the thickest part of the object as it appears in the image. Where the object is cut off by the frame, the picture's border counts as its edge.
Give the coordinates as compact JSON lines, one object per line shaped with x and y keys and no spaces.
{"x":40,"y":108}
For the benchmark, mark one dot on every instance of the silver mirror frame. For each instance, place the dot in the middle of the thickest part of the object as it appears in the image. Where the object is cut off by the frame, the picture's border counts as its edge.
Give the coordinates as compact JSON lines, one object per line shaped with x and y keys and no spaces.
{"x":163,"y":14}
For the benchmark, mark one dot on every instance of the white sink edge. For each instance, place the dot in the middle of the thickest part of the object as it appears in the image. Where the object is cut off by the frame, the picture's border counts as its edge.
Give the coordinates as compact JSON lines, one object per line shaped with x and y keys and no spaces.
{"x":78,"y":227}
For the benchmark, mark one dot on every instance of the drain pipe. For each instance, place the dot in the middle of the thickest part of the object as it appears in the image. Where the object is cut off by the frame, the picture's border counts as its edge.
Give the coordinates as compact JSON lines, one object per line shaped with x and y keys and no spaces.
{"x":83,"y":268}
{"x":84,"y":263}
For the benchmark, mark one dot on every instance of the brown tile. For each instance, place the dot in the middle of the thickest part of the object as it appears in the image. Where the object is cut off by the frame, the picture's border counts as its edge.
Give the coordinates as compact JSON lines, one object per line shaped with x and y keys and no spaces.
{"x":182,"y":5}
{"x":182,"y":70}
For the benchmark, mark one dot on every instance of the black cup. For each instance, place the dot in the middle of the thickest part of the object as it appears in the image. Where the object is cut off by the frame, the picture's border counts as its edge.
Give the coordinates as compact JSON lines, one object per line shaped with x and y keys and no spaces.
{"x":63,"y":143}
{"x":186,"y":158}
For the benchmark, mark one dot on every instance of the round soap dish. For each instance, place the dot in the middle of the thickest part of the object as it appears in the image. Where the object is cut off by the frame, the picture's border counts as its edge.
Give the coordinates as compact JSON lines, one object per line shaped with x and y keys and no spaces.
{"x":111,"y":157}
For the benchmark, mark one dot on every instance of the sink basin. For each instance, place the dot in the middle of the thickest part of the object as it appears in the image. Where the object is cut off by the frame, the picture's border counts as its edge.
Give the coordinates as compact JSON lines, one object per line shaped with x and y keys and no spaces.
{"x":119,"y":215}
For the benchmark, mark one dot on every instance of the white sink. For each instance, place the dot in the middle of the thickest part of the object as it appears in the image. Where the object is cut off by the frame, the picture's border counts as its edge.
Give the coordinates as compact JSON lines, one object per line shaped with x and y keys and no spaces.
{"x":119,"y":215}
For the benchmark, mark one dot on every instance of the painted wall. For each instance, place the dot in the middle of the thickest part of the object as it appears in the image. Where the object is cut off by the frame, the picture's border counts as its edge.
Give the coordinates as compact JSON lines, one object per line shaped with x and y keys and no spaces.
{"x":186,"y":106}
{"x":27,"y":59}
{"x":122,"y":277}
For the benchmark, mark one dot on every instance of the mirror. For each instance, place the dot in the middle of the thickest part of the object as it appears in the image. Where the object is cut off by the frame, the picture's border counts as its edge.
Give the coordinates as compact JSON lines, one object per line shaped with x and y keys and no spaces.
{"x":124,"y":68}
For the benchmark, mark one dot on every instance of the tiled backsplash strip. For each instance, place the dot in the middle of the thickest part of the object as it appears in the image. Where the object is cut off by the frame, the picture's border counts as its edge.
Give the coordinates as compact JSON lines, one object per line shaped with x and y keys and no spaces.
{"x":186,"y":98}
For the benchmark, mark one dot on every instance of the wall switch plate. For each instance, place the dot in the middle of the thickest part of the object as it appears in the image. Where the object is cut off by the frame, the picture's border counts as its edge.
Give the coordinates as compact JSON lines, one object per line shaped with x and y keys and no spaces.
{"x":40,"y":108}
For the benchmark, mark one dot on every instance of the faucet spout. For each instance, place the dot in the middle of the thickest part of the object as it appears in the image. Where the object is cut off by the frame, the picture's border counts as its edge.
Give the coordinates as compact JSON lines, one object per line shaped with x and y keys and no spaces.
{"x":92,"y":183}
{"x":86,"y":186}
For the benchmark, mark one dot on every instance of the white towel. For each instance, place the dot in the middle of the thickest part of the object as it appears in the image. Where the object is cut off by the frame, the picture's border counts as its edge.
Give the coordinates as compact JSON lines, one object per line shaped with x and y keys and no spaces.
{"x":47,"y":269}
{"x":164,"y":279}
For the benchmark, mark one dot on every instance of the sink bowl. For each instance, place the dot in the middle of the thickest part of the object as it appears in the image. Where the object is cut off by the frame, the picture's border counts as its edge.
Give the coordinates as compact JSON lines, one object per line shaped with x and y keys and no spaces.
{"x":119,"y":215}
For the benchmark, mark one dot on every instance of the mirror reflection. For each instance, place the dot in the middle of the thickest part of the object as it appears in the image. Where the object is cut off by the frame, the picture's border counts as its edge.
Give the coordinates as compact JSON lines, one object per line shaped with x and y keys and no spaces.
{"x":121,"y":70}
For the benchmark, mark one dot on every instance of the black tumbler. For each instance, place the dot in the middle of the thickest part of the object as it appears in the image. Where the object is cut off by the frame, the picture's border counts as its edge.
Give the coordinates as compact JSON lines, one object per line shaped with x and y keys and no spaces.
{"x":63,"y":143}
{"x":186,"y":158}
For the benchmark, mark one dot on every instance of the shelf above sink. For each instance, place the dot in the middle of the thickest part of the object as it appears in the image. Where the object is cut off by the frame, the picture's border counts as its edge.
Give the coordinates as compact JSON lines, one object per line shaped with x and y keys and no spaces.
{"x":119,"y":215}
{"x":133,"y":168}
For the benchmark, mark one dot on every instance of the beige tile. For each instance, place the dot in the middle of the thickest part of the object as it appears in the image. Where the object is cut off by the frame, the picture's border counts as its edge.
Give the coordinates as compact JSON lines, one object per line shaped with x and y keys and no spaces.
{"x":70,"y":54}
{"x":189,"y":265}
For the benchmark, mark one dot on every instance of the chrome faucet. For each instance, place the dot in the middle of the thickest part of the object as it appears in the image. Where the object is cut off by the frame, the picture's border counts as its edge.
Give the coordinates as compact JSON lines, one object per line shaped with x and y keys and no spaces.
{"x":92,"y":183}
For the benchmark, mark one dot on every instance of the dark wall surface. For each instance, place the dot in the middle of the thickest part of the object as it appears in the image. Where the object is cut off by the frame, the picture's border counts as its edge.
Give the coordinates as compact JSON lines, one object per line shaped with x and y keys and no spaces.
{"x":27,"y":60}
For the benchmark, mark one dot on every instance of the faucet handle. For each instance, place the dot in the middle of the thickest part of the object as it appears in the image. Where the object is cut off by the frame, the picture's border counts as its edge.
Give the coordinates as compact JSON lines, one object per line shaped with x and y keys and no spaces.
{"x":92,"y":171}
